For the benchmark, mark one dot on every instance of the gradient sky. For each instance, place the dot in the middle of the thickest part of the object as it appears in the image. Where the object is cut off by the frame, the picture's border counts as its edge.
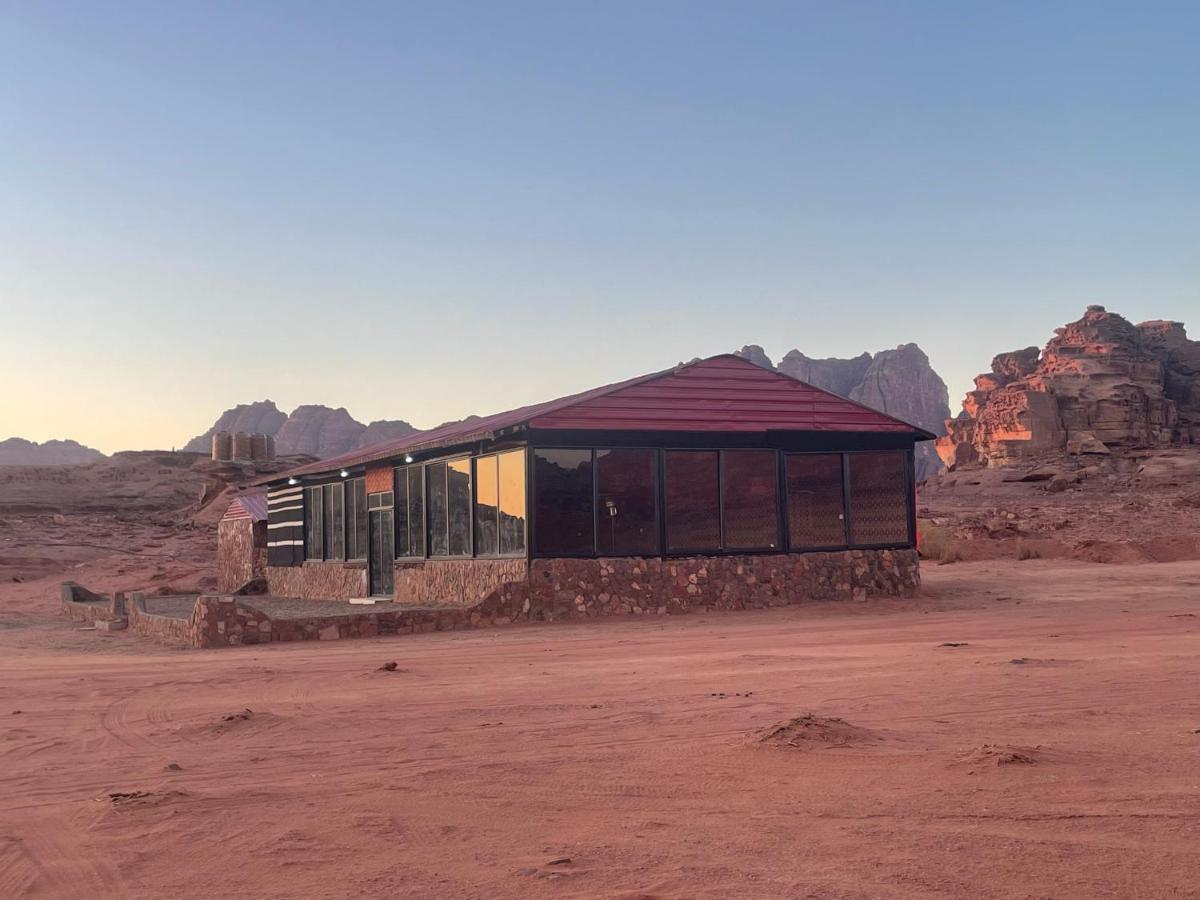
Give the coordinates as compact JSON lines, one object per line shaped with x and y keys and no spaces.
{"x":423,"y":211}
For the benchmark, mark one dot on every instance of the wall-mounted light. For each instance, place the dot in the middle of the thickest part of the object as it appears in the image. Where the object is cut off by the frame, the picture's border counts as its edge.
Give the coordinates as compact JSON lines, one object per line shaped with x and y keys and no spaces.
{"x":408,"y":457}
{"x":293,"y":481}
{"x":344,"y":473}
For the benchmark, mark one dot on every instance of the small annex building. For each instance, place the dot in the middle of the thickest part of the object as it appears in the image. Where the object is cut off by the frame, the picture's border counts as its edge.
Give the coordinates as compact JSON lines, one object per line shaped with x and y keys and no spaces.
{"x":715,"y":484}
{"x":242,"y":543}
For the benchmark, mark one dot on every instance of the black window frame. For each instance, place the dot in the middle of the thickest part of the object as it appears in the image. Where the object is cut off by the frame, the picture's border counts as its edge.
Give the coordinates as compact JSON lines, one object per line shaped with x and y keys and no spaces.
{"x":446,"y":461}
{"x":499,"y":553}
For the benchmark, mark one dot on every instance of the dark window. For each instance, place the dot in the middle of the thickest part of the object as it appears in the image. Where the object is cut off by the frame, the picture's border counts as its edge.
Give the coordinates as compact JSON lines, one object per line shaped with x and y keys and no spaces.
{"x":383,"y":542}
{"x":815,"y":503}
{"x":693,"y":503}
{"x":416,"y":511}
{"x":627,"y":502}
{"x":314,"y":546}
{"x":512,"y":501}
{"x":400,"y":523}
{"x":487,"y":506}
{"x":563,"y":512}
{"x":879,"y":497}
{"x":750,"y":499}
{"x":410,"y":512}
{"x":335,"y":522}
{"x":356,"y":519}
{"x":436,"y":485}
{"x":449,"y":486}
{"x":458,"y":502}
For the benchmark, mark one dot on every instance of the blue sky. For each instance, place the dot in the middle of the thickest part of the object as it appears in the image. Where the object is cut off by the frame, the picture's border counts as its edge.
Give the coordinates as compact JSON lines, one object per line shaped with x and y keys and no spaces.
{"x":424,"y":211}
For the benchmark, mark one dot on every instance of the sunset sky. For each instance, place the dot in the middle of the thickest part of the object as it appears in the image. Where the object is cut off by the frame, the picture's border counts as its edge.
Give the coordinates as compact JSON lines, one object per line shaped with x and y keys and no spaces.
{"x":423,"y":211}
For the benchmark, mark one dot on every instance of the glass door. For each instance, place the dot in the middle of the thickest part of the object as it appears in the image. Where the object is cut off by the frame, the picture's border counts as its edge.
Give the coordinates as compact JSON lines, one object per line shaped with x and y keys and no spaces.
{"x":382,"y":543}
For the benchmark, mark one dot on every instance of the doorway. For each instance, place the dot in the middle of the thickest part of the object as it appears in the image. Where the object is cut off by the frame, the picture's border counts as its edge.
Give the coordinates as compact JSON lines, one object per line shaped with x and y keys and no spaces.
{"x":382,"y":543}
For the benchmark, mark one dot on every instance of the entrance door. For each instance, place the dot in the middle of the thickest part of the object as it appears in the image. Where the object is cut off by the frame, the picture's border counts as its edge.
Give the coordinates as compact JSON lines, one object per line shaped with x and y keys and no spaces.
{"x":383,"y":544}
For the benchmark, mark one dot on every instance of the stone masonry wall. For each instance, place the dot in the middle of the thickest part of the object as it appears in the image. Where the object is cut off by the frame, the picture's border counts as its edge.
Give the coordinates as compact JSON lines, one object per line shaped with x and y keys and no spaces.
{"x":319,"y":580}
{"x":454,"y":582}
{"x":564,"y":588}
{"x":240,"y":558}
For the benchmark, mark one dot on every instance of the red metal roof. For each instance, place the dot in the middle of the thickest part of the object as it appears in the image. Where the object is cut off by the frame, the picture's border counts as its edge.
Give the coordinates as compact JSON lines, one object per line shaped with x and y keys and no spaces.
{"x":248,"y":506}
{"x":721,"y":393}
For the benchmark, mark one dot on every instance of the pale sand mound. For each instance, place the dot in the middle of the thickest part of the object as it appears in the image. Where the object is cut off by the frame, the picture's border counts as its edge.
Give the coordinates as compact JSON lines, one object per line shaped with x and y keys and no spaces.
{"x":809,"y":732}
{"x":998,"y":755}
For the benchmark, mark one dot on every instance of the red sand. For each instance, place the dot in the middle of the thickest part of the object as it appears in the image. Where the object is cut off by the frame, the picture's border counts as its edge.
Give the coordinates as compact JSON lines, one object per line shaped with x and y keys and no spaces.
{"x":624,"y":758}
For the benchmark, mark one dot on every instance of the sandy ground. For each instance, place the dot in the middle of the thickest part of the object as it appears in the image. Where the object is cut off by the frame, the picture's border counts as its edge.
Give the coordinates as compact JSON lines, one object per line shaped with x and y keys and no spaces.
{"x":630,"y":749}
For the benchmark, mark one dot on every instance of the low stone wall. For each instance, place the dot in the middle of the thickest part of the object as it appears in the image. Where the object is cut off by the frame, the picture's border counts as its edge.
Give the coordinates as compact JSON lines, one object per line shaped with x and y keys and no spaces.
{"x":561,"y":588}
{"x":319,"y":580}
{"x":241,"y":553}
{"x":455,"y":582}
{"x":165,"y":629}
{"x":82,"y":605}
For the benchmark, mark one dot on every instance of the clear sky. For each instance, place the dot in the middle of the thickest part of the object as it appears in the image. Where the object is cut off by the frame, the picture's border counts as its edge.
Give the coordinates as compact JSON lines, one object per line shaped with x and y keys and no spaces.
{"x":426,"y":210}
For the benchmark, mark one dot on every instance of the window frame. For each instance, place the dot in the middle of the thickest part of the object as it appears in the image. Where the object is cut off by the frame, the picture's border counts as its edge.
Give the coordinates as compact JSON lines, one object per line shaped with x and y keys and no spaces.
{"x":446,"y":461}
{"x":499,"y":554}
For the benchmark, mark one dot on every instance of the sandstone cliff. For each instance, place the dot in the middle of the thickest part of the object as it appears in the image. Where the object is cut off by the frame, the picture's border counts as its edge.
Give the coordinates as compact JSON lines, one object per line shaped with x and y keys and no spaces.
{"x":20,"y":452}
{"x":899,"y":382}
{"x":1101,"y":383}
{"x":311,"y":430}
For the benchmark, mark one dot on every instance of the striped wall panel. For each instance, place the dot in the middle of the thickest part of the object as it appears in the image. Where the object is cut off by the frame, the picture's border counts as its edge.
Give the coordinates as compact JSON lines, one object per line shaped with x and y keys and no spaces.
{"x":285,"y":526}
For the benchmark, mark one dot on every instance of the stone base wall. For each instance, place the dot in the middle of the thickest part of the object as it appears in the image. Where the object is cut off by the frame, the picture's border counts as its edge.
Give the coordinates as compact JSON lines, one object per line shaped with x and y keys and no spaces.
{"x":319,"y":580}
{"x":562,"y":588}
{"x":164,"y":629}
{"x":241,"y":553}
{"x":455,"y":582}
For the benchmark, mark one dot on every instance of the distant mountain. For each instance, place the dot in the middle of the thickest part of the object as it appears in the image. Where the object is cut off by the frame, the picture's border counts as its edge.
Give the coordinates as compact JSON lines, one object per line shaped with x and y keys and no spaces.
{"x":899,"y":382}
{"x":20,"y":452}
{"x":311,"y":429}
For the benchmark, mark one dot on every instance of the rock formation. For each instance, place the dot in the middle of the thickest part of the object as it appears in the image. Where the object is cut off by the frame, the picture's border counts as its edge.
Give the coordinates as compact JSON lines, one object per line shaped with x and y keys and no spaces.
{"x":263,"y":417}
{"x":898,"y":382}
{"x":312,"y":430}
{"x":1099,"y":384}
{"x":20,"y":452}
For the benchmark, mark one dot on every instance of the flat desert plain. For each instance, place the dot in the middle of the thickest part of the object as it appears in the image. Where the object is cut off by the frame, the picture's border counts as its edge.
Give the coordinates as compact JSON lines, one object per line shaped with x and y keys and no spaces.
{"x":828,"y":751}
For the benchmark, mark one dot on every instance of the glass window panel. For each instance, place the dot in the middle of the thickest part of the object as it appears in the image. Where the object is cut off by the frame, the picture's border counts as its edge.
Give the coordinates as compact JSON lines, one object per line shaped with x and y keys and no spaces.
{"x":563,"y":512}
{"x":314,"y":523}
{"x":335,"y":522}
{"x":487,"y":503}
{"x":402,"y":524}
{"x":693,"y":504}
{"x":750,"y":488}
{"x":436,"y":485}
{"x":416,"y":510}
{"x":512,"y":501}
{"x":627,"y":502}
{"x":356,"y":519}
{"x":458,"y":504}
{"x":879,"y":497}
{"x":816,"y":511}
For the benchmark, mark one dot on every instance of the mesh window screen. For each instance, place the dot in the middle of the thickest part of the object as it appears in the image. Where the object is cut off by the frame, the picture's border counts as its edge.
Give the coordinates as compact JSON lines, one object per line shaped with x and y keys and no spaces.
{"x":750,"y":489}
{"x":879,"y":497}
{"x":816,"y":511}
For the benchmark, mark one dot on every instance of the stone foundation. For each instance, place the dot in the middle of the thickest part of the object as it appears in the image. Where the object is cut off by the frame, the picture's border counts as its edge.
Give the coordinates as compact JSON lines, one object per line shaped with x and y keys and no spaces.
{"x":455,"y":582}
{"x":319,"y":580}
{"x":562,"y":588}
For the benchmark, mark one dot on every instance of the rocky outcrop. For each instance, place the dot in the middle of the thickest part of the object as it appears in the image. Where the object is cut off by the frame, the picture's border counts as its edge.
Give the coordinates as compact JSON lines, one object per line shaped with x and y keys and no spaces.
{"x":311,"y":430}
{"x":20,"y":452}
{"x":899,"y":382}
{"x":263,"y":417}
{"x":384,"y":430}
{"x":1101,"y":383}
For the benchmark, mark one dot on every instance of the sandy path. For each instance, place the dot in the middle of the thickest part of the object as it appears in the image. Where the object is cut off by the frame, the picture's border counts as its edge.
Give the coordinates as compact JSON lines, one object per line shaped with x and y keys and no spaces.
{"x":491,"y":753}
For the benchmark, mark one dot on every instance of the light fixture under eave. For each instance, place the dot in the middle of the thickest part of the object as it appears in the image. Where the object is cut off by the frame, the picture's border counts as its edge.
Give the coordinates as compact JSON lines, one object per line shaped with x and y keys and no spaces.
{"x":408,"y":457}
{"x":344,"y":473}
{"x":293,"y":481}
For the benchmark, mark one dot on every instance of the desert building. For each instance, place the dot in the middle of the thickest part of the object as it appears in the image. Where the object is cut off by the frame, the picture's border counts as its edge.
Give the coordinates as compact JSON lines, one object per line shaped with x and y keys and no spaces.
{"x":716,"y":484}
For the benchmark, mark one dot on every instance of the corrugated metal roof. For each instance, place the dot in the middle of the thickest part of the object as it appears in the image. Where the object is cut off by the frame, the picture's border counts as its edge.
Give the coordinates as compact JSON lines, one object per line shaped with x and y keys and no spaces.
{"x":721,"y":393}
{"x":248,"y":506}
